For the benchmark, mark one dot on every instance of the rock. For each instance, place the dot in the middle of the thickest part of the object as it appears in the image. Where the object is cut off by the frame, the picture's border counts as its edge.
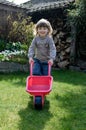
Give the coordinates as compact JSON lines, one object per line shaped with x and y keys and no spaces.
{"x":63,"y":64}
{"x":67,"y":50}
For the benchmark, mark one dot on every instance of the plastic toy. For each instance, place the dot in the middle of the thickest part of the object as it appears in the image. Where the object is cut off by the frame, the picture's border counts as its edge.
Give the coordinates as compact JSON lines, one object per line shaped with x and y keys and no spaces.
{"x":39,"y":86}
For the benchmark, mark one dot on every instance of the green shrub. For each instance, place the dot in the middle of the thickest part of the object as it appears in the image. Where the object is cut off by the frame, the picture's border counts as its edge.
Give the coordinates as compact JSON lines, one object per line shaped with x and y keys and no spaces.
{"x":13,"y":46}
{"x":1,"y":57}
{"x":77,"y":17}
{"x":24,"y":47}
{"x":2,"y":45}
{"x":20,"y":30}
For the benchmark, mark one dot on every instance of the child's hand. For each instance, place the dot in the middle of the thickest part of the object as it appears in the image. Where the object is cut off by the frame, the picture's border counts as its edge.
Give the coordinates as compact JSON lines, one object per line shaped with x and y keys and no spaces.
{"x":51,"y":62}
{"x":31,"y":60}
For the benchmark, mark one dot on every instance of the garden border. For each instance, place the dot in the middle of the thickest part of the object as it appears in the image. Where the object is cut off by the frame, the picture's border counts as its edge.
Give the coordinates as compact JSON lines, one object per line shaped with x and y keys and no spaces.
{"x":6,"y":67}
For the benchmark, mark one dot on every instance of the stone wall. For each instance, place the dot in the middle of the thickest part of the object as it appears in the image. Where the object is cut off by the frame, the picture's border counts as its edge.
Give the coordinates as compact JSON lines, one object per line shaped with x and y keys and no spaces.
{"x":6,"y":67}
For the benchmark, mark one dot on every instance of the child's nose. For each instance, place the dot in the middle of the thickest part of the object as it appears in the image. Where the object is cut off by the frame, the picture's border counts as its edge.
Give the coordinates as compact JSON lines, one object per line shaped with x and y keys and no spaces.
{"x":42,"y":29}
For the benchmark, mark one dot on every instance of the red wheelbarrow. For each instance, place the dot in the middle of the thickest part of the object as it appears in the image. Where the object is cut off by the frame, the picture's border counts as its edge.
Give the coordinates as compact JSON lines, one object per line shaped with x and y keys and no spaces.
{"x":39,"y":86}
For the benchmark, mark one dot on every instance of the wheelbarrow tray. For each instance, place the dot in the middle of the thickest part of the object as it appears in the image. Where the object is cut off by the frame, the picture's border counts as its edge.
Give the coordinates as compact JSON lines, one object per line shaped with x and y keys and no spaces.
{"x":39,"y":85}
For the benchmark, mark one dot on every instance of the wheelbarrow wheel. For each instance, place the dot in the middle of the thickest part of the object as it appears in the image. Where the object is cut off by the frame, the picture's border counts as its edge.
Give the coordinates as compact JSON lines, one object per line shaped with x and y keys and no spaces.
{"x":38,"y":102}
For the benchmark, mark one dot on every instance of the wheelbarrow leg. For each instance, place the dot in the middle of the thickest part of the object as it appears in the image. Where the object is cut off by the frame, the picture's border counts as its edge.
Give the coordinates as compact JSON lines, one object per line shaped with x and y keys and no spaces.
{"x":38,"y":102}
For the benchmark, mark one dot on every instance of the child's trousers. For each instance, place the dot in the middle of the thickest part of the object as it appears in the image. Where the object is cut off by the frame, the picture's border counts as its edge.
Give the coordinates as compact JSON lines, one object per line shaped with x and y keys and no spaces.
{"x":40,"y":68}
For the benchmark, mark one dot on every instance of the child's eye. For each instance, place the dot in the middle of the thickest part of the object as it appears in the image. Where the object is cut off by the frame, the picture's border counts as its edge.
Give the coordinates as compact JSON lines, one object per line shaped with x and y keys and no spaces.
{"x":40,"y":28}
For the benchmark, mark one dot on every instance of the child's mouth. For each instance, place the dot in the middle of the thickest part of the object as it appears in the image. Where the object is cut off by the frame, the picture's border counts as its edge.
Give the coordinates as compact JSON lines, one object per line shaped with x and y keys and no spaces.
{"x":42,"y":32}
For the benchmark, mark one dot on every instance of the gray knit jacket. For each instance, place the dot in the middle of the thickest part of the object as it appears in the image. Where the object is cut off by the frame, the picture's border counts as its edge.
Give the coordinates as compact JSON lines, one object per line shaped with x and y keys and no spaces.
{"x":42,"y":48}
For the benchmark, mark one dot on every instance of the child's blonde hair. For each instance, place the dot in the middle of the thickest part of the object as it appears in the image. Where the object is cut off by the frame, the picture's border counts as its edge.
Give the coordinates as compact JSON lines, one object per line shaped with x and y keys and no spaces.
{"x":43,"y":23}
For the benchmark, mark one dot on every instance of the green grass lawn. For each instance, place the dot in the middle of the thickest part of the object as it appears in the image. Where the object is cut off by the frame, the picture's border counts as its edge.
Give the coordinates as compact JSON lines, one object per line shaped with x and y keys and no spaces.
{"x":64,"y":108}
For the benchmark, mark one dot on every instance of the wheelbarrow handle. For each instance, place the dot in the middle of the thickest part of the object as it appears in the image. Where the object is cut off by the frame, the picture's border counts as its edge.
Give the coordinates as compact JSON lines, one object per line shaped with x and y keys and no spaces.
{"x":31,"y":68}
{"x":49,"y":68}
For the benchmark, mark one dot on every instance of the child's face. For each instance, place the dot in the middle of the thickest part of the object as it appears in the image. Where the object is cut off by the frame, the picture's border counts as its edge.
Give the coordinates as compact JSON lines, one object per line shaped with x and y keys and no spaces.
{"x":42,"y":31}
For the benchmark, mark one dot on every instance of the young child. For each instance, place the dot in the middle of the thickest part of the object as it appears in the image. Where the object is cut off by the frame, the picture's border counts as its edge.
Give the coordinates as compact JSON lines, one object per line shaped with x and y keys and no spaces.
{"x":42,"y":50}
